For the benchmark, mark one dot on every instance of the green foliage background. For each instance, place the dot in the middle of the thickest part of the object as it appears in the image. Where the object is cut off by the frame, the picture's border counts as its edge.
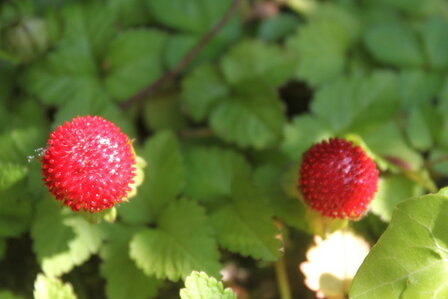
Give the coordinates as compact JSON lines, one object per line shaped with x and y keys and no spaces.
{"x":223,"y":140}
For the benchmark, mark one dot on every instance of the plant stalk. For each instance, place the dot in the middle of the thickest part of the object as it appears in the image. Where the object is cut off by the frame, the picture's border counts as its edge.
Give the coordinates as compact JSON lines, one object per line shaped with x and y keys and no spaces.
{"x":282,"y":279}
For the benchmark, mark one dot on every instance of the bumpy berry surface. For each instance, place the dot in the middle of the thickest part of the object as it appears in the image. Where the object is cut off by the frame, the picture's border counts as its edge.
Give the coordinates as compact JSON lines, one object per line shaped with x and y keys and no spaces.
{"x":89,"y":164}
{"x":338,"y":179}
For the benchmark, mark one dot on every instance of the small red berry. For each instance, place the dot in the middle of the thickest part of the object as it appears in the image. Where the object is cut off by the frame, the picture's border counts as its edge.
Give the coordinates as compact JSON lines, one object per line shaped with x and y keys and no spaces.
{"x":338,"y":179}
{"x":89,"y":164}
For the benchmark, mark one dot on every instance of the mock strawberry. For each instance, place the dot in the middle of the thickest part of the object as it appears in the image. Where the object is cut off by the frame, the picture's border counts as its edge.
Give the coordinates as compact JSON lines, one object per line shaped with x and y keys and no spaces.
{"x":89,"y":164}
{"x":338,"y":179}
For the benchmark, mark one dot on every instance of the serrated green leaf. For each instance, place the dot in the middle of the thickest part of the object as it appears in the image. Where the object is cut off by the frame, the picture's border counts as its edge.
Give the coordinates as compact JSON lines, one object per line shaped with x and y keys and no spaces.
{"x":91,"y":24}
{"x":394,"y":43}
{"x":211,"y":171}
{"x":195,"y":16}
{"x":392,"y":190}
{"x":116,"y":261}
{"x":181,"y":243}
{"x":200,"y":286}
{"x":321,"y":47}
{"x":435,"y":41}
{"x":69,"y":73}
{"x":251,"y":120}
{"x":50,"y":287}
{"x":387,"y":140}
{"x":254,"y":61}
{"x":11,"y":174}
{"x":304,"y":131}
{"x":245,"y":224}
{"x":164,"y":179}
{"x":357,"y":101}
{"x":410,"y":258}
{"x":54,"y":83}
{"x":61,"y":238}
{"x":418,"y":87}
{"x":202,"y":89}
{"x":132,"y":61}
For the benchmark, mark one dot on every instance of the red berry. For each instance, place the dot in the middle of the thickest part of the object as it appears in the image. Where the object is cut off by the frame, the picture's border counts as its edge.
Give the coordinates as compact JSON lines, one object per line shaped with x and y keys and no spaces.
{"x":338,"y":179}
{"x":89,"y":164}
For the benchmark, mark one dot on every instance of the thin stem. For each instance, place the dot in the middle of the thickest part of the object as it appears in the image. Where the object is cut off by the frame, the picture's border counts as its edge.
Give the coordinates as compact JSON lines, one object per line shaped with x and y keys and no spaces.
{"x":171,"y":74}
{"x":282,"y":279}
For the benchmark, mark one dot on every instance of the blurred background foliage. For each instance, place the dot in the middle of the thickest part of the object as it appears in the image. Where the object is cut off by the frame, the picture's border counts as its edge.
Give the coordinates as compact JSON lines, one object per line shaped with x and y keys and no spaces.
{"x":222,"y":136}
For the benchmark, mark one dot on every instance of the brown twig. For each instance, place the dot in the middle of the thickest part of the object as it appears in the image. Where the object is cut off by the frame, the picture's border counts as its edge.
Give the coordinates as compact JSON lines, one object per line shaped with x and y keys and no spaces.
{"x":151,"y":88}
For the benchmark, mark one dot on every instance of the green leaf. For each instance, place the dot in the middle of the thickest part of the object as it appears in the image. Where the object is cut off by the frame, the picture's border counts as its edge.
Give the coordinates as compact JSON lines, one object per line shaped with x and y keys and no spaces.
{"x":393,"y":43}
{"x":357,"y":101}
{"x":440,"y":167}
{"x":11,"y":174}
{"x":245,"y":224}
{"x":202,"y":89}
{"x":195,"y":16}
{"x":322,"y":47}
{"x":21,"y":114}
{"x":393,"y":190}
{"x":89,"y":26}
{"x":163,"y":112}
{"x":277,"y":27}
{"x":301,"y":133}
{"x":116,"y":261}
{"x":410,"y":258}
{"x":418,"y":131}
{"x":61,"y":238}
{"x":17,"y":144}
{"x":100,"y":105}
{"x":51,"y":287}
{"x":388,"y":141}
{"x":180,"y":44}
{"x":254,"y":61}
{"x":55,"y":81}
{"x":251,"y":120}
{"x":211,"y":171}
{"x":272,"y":180}
{"x":200,"y":286}
{"x":15,"y":211}
{"x":69,"y":73}
{"x":435,"y":41}
{"x":417,"y":87}
{"x":130,"y":12}
{"x":5,"y":294}
{"x":132,"y":61}
{"x":164,"y":179}
{"x":181,"y":243}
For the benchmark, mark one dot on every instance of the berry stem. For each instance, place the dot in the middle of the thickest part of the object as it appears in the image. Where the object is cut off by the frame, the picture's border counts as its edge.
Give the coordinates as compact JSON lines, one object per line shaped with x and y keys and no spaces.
{"x":282,"y":279}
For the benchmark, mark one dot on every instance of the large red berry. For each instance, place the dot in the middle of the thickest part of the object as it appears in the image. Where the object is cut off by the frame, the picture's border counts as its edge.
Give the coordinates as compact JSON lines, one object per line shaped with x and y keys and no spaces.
{"x":89,"y":164}
{"x":338,"y":179}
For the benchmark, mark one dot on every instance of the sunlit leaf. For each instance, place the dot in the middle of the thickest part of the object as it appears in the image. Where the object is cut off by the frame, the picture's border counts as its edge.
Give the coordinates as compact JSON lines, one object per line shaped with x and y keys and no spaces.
{"x":410,"y":258}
